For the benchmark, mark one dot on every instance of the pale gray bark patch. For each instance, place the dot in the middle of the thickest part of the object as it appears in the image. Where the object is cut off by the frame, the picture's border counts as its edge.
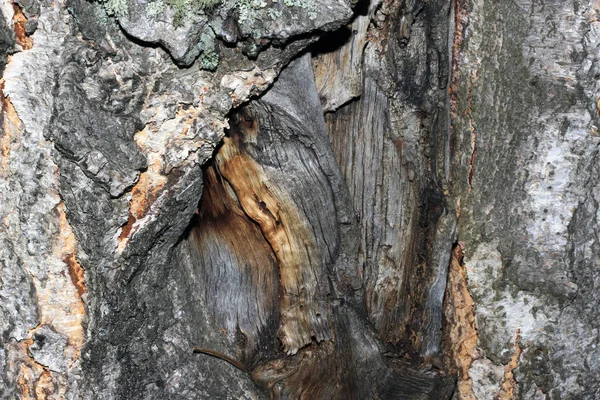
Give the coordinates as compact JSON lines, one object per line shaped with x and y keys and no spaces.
{"x":18,"y":311}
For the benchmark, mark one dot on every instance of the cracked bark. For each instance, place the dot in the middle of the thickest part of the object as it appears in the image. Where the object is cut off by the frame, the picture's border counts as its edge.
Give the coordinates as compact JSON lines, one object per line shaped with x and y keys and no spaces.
{"x":385,"y":200}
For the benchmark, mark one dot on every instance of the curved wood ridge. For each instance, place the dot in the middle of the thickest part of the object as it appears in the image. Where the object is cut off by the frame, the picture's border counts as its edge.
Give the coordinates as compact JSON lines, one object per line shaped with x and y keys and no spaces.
{"x":249,"y":184}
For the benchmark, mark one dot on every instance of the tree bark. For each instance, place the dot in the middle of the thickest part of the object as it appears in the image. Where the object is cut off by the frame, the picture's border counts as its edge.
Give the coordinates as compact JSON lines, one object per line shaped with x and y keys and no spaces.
{"x":394,"y":199}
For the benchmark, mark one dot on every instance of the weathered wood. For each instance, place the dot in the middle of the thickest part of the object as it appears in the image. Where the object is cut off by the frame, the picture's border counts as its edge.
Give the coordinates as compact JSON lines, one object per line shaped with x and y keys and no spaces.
{"x":237,"y":267}
{"x":387,"y":144}
{"x":338,"y":72}
{"x":250,"y":209}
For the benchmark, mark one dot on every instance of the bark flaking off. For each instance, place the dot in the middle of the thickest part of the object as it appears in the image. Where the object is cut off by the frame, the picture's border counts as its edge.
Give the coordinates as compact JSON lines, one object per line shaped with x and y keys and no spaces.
{"x":461,"y":335}
{"x":43,"y":345}
{"x":509,"y":384}
{"x":19,"y":23}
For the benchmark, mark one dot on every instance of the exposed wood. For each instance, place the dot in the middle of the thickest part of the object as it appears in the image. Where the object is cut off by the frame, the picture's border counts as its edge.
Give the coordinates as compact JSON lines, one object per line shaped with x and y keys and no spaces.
{"x":250,"y":209}
{"x":391,"y":145}
{"x":300,"y":227}
{"x":338,"y":72}
{"x":460,"y":319}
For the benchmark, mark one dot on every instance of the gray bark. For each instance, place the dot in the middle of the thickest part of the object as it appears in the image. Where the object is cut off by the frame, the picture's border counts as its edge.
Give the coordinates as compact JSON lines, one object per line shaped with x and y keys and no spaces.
{"x":382,"y":200}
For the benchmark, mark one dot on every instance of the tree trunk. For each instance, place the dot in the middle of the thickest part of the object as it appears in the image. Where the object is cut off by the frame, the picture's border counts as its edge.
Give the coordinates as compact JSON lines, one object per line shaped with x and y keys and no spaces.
{"x":395,"y":199}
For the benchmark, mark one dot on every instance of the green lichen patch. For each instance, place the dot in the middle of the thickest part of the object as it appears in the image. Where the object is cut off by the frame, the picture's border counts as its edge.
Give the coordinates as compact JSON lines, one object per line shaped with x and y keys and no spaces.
{"x":209,"y":60}
{"x":252,"y":11}
{"x":116,"y":8}
{"x":182,"y":8}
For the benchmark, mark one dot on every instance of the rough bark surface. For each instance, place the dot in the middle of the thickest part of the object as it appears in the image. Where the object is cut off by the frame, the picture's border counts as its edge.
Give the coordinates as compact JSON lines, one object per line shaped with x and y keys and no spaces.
{"x":525,"y":169}
{"x":395,"y":199}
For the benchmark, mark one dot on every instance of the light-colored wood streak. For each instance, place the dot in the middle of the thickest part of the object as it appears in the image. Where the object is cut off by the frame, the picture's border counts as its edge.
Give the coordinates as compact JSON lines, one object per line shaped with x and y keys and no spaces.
{"x":338,"y":74}
{"x":273,"y":183}
{"x":287,"y":232}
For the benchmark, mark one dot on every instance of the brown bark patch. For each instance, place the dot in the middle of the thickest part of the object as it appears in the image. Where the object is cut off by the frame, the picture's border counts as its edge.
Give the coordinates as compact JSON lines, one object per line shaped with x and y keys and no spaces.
{"x":508,"y":389}
{"x":65,"y":249}
{"x":35,"y":381}
{"x":143,"y":194}
{"x":60,"y":298}
{"x":76,"y":273}
{"x":12,"y":127}
{"x":44,"y":387}
{"x":460,"y":329}
{"x":20,"y":20}
{"x":126,"y":230}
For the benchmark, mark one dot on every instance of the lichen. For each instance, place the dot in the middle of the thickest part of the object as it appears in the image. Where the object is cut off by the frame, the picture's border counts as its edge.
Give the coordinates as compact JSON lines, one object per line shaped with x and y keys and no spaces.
{"x":155,"y":8}
{"x":116,"y":8}
{"x":248,"y":10}
{"x":182,"y":8}
{"x":250,"y":13}
{"x":308,"y":5}
{"x":209,"y":60}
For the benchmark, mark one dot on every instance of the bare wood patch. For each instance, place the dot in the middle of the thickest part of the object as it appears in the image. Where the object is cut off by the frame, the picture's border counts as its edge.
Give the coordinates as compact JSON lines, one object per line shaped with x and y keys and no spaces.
{"x":509,"y":385}
{"x":461,"y":332}
{"x":20,"y":20}
{"x":12,"y":127}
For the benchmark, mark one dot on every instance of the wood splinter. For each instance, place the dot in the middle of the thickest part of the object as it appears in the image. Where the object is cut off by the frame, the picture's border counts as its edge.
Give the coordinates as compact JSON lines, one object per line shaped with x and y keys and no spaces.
{"x":223,"y":357}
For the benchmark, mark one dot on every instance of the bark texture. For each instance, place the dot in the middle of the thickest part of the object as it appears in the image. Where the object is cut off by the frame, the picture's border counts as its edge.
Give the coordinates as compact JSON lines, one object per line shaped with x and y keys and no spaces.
{"x":394,"y":199}
{"x":526,"y":174}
